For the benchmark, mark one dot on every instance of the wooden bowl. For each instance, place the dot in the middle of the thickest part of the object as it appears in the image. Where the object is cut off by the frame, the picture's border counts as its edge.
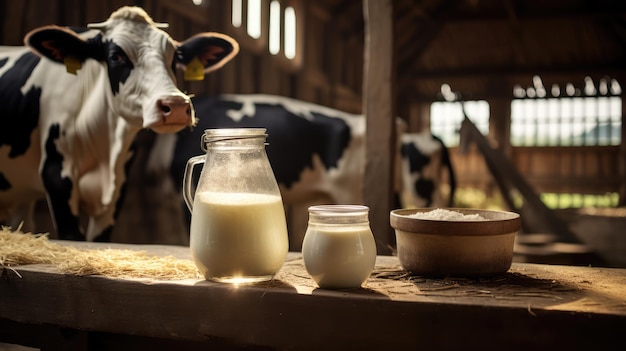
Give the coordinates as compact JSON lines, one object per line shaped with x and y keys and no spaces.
{"x":434,"y":247}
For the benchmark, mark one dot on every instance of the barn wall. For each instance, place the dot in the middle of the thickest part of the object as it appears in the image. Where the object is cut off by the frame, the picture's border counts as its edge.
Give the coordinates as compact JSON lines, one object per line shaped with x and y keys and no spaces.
{"x":329,"y":72}
{"x":318,"y":75}
{"x":578,"y":170}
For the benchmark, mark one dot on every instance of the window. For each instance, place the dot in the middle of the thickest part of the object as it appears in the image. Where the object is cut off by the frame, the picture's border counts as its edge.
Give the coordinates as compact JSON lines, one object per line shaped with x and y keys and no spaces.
{"x":587,"y":116}
{"x":237,"y":13}
{"x":254,"y":18}
{"x":282,"y":24}
{"x":274,"y":28}
{"x":290,"y":33}
{"x":446,"y":118}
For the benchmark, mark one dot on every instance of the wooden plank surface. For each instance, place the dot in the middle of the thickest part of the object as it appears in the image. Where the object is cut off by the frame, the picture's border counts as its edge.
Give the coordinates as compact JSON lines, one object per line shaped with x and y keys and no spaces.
{"x":531,"y":305}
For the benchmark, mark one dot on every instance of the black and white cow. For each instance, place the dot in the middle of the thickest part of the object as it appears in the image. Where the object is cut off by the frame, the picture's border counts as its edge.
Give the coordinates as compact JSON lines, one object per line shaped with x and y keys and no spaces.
{"x":314,"y":151}
{"x":424,"y":158}
{"x":317,"y":153}
{"x":66,"y":130}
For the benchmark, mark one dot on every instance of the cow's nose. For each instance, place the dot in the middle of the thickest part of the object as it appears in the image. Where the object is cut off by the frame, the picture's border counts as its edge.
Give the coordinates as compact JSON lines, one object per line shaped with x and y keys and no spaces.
{"x":164,"y":108}
{"x":175,"y":110}
{"x":174,"y":104}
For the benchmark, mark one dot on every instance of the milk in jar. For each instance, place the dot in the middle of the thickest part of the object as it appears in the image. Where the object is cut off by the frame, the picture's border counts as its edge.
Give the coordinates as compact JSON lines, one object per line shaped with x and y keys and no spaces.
{"x":339,"y":250}
{"x":238,"y":237}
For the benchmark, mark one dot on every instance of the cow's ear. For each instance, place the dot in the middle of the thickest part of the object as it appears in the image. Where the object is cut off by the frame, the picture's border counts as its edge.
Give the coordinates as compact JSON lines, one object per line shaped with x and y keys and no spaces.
{"x":212,"y":50}
{"x":57,"y":43}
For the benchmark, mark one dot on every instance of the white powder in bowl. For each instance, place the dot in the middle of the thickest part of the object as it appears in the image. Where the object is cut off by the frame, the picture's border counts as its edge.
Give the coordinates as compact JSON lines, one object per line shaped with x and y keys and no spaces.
{"x":447,"y":215}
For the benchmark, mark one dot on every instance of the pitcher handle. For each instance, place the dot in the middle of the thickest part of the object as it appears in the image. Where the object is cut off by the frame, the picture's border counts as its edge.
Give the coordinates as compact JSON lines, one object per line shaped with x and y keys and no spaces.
{"x":187,"y":194}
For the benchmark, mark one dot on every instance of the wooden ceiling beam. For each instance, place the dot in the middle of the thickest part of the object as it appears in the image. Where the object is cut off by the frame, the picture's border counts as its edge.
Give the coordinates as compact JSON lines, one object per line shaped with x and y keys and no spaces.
{"x":535,"y":13}
{"x":349,"y":9}
{"x":429,"y":31}
{"x":411,"y":53}
{"x":616,"y":29}
{"x":475,"y":72}
{"x":347,"y":17}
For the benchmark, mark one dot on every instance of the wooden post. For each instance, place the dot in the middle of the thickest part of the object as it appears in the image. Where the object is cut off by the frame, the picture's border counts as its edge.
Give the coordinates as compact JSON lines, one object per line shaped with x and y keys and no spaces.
{"x":622,"y":158}
{"x":378,"y":109}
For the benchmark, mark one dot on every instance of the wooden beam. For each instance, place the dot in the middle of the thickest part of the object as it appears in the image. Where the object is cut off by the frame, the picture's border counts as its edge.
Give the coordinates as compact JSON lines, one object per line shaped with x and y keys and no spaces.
{"x":525,"y":12}
{"x":536,"y":216}
{"x":429,"y":31}
{"x":502,"y":72}
{"x":378,"y":109}
{"x":45,"y":308}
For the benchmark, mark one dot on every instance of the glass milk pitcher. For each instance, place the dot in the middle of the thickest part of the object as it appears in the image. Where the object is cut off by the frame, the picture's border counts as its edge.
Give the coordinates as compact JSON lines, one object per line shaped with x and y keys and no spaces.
{"x":238,"y":228}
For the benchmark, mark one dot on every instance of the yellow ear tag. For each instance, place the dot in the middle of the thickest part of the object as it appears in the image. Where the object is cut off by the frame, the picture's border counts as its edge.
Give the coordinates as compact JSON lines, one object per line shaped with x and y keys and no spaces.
{"x":72,"y":64}
{"x":194,"y":70}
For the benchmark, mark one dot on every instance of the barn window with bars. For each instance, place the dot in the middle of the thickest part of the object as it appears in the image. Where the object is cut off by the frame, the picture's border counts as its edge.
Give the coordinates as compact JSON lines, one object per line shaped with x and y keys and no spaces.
{"x":569,"y":116}
{"x":587,"y":116}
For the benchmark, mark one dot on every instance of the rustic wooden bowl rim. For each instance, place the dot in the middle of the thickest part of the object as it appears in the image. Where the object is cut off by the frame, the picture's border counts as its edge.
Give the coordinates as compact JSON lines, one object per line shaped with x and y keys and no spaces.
{"x":497,"y":223}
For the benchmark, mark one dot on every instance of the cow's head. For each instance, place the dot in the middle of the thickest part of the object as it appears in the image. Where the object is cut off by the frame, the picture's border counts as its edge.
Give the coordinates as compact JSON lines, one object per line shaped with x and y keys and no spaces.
{"x":140,"y":59}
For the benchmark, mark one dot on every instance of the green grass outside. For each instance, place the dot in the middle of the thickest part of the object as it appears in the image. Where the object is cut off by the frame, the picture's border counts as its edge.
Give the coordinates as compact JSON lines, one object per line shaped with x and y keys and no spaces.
{"x":476,"y":198}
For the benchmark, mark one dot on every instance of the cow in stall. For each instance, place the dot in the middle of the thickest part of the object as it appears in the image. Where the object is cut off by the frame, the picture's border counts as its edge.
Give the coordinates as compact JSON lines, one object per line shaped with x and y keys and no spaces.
{"x":71,"y":105}
{"x":424,"y":158}
{"x":317,"y":153}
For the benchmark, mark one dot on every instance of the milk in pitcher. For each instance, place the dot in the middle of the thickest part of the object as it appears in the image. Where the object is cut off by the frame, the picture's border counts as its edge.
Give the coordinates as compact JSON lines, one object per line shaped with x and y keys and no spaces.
{"x":238,"y":237}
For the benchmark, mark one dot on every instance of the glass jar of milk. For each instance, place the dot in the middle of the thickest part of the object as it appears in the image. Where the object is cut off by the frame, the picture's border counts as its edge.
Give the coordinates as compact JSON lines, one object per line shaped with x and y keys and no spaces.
{"x":338,"y":248}
{"x":238,"y":228}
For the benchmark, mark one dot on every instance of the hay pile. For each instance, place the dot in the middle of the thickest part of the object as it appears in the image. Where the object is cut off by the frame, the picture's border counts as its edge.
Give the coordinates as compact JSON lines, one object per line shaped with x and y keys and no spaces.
{"x":18,"y":248}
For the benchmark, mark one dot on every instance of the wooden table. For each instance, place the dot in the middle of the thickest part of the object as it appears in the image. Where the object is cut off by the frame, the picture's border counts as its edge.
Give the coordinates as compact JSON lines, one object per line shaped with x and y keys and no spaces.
{"x":531,"y":307}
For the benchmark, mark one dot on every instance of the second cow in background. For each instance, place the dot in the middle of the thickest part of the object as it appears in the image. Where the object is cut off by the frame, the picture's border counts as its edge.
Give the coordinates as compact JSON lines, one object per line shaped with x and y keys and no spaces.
{"x":317,"y":153}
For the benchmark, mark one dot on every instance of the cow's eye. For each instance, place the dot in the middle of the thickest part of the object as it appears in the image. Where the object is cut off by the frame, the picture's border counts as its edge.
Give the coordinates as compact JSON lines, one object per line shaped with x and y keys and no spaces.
{"x":116,"y":58}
